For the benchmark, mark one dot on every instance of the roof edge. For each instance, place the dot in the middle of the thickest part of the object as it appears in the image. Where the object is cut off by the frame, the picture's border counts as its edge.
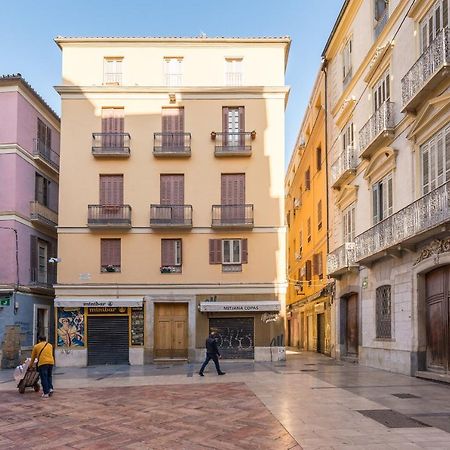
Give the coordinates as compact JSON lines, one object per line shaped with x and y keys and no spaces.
{"x":335,"y":27}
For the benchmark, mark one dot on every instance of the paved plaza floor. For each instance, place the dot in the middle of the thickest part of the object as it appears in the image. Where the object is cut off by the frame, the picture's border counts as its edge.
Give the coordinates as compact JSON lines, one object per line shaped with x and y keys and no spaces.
{"x":309,"y":402}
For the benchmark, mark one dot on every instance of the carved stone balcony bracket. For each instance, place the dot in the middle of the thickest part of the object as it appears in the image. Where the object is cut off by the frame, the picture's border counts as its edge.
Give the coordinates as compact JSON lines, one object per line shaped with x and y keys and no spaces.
{"x":434,"y":248}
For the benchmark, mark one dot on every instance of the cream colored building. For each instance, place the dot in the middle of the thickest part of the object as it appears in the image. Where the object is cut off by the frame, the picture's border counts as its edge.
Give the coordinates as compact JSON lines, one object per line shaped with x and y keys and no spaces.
{"x":171,"y":198}
{"x":389,"y":159}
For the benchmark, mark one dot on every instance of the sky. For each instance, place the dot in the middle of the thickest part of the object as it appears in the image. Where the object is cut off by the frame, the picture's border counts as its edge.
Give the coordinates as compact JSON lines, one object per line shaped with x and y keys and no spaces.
{"x":28,"y":27}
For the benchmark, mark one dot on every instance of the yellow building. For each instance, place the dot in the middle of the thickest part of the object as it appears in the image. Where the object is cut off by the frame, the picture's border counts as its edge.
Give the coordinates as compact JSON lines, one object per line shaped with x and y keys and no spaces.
{"x":171,"y":198}
{"x":308,"y":301}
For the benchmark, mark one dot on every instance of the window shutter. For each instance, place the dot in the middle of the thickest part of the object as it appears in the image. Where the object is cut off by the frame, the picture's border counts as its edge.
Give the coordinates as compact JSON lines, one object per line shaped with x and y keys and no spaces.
{"x":241,"y":125}
{"x":110,"y":252}
{"x":315,"y":264}
{"x":48,"y":138}
{"x":308,"y":270}
{"x":111,"y":190}
{"x":33,"y":259}
{"x":319,"y":265}
{"x":215,"y":251}
{"x":50,"y":266}
{"x":244,"y":251}
{"x":307,"y":180}
{"x":375,"y":205}
{"x":166,"y":259}
{"x":319,"y":214}
{"x":225,"y":110}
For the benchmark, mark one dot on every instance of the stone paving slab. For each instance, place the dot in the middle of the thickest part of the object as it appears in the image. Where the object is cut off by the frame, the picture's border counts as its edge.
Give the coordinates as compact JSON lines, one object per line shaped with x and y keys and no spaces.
{"x":191,"y":417}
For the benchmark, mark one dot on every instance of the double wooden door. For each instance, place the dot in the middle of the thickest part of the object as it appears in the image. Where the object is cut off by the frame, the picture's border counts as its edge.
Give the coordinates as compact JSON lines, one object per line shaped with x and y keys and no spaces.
{"x":171,"y":330}
{"x":233,"y":197}
{"x":172,"y":196}
{"x":437,"y":299}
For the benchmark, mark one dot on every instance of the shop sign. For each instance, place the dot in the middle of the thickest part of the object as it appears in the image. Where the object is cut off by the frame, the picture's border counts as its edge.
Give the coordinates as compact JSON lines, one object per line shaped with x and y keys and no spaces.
{"x":99,"y":303}
{"x":5,"y":300}
{"x":108,"y":310}
{"x":239,"y":306}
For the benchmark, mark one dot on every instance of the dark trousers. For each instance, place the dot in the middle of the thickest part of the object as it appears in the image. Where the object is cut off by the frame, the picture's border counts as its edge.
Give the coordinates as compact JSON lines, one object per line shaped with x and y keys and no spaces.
{"x":208,"y":358}
{"x":45,"y":372}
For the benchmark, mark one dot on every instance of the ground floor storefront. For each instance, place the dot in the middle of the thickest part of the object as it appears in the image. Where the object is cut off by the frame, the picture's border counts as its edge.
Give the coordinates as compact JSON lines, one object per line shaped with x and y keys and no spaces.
{"x":98,"y":330}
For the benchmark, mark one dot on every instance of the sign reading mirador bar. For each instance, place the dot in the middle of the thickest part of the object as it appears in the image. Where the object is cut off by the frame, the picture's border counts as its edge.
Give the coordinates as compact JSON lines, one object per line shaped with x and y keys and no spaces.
{"x":239,"y":306}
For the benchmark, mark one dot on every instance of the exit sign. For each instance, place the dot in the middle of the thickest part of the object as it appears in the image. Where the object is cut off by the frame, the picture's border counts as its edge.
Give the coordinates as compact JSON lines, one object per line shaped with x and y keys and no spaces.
{"x":5,"y":301}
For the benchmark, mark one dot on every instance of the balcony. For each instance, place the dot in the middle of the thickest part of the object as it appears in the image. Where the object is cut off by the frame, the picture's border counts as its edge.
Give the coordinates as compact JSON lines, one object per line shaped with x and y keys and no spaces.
{"x":173,"y":79}
{"x":114,"y":144}
{"x":233,"y":144}
{"x":112,"y":78}
{"x":414,"y":223}
{"x":168,"y":144}
{"x":41,"y":215}
{"x":233,"y":78}
{"x":42,"y":279}
{"x":377,"y":131}
{"x":341,"y":260}
{"x":232,"y":216}
{"x":427,"y":73}
{"x":45,"y":156}
{"x":381,"y":23}
{"x":171,"y":216}
{"x":344,"y":166}
{"x":109,"y":216}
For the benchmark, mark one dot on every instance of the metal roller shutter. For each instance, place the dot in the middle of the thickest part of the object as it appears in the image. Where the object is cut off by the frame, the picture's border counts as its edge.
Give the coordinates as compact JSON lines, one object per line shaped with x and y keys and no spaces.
{"x":235,"y":337}
{"x":107,"y":340}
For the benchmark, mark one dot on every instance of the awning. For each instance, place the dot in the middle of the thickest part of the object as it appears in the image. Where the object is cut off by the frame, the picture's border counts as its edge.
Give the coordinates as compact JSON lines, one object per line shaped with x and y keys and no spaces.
{"x":98,"y":302}
{"x":239,"y":306}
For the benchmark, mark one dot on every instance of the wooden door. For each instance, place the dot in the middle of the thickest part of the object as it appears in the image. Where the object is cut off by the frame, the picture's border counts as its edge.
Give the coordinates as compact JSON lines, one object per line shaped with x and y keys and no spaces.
{"x":321,"y":333}
{"x":111,"y":190}
{"x":113,"y":127}
{"x":173,"y":128}
{"x":351,"y":332}
{"x":172,"y":195}
{"x":437,"y":319}
{"x":233,"y":197}
{"x":171,"y":321}
{"x":310,"y":331}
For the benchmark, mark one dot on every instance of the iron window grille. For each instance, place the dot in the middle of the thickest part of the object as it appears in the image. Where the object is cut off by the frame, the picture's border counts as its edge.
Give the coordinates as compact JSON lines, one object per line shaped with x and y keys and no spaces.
{"x":383,"y":312}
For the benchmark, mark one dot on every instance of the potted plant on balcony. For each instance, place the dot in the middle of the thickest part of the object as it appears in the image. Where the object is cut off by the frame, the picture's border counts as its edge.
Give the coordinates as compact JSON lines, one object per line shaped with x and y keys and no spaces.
{"x":213,"y":135}
{"x":110,"y":268}
{"x":253,"y":135}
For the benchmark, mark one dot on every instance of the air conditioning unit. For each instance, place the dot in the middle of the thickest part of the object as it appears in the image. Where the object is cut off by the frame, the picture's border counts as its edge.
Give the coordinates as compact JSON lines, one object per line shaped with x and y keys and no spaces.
{"x":297,"y":203}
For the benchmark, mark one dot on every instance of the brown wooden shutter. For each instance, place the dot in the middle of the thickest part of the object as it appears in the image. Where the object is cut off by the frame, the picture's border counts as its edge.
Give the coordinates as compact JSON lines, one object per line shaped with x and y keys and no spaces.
{"x":319,"y":265}
{"x":319,"y":214}
{"x":173,"y":120}
{"x":308,"y":270}
{"x":308,"y":180}
{"x":167,"y":252}
{"x":225,"y":110}
{"x":110,"y":252}
{"x":315,"y":264}
{"x":215,"y":251}
{"x":244,"y":250}
{"x":241,"y":119}
{"x":233,"y":189}
{"x":111,"y":190}
{"x":172,"y":189}
{"x":40,"y":131}
{"x":33,"y":259}
{"x":48,"y":138}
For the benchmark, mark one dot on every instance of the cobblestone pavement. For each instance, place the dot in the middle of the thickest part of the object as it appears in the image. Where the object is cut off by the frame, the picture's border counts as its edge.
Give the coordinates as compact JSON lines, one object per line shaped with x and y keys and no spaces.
{"x":309,"y":402}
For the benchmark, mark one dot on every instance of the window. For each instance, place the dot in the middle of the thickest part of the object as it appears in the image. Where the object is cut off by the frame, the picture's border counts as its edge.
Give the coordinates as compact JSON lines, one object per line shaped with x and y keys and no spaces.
{"x":42,"y":188}
{"x":380,"y":15}
{"x":319,"y":215}
{"x":233,"y":71}
{"x":317,"y":265}
{"x":348,"y":136}
{"x":170,"y":255}
{"x":308,"y":180}
{"x":300,"y":241}
{"x":110,"y":255}
{"x":349,"y":224}
{"x":42,"y":262}
{"x":381,"y":91}
{"x":308,"y":272}
{"x":435,"y":160}
{"x":173,"y":71}
{"x":113,"y":125}
{"x":233,"y":126}
{"x":231,"y":253}
{"x":436,"y":19}
{"x":308,"y":224}
{"x":111,"y":190}
{"x":299,"y":284}
{"x":112,"y":71}
{"x":382,"y":199}
{"x":383,"y":312}
{"x":347,"y":62}
{"x":318,"y":158}
{"x":44,"y":139}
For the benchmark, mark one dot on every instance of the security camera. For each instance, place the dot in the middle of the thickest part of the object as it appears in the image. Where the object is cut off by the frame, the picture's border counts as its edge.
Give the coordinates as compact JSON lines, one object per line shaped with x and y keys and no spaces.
{"x":54,"y":260}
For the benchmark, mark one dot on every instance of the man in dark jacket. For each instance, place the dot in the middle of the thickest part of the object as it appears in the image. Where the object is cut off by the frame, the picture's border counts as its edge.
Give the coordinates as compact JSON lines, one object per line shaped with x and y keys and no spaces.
{"x":212,"y":352}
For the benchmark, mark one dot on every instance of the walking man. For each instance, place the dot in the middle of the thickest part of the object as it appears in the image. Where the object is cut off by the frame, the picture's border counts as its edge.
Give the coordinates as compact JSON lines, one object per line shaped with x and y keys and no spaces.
{"x":212,"y":352}
{"x":43,"y":351}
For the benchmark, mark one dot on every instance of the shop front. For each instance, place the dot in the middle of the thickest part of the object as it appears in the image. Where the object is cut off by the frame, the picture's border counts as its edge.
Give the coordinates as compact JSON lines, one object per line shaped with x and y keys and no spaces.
{"x":103,"y":331}
{"x":244,"y":329}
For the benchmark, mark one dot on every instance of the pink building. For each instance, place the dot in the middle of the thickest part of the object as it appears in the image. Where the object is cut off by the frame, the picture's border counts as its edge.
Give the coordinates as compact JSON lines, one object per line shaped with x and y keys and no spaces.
{"x":29,"y":174}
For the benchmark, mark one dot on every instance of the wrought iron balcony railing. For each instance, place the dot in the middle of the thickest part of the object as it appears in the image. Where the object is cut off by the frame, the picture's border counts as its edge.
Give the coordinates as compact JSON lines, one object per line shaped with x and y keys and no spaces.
{"x":114,"y":78}
{"x":44,"y":277}
{"x":427,"y":72}
{"x":173,"y":79}
{"x":168,"y":216}
{"x":233,"y":78}
{"x":382,"y":21}
{"x":377,"y":129}
{"x":43,"y":215}
{"x":110,"y":144}
{"x":344,"y":166}
{"x":232,"y":216}
{"x":44,"y":154}
{"x":109,"y":216}
{"x":341,"y":260}
{"x":233,"y":144}
{"x":172,"y":144}
{"x":407,"y":226}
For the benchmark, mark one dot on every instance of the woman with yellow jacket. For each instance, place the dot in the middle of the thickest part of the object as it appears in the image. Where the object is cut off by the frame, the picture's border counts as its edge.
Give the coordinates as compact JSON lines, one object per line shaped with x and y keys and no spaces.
{"x":43,"y":352}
